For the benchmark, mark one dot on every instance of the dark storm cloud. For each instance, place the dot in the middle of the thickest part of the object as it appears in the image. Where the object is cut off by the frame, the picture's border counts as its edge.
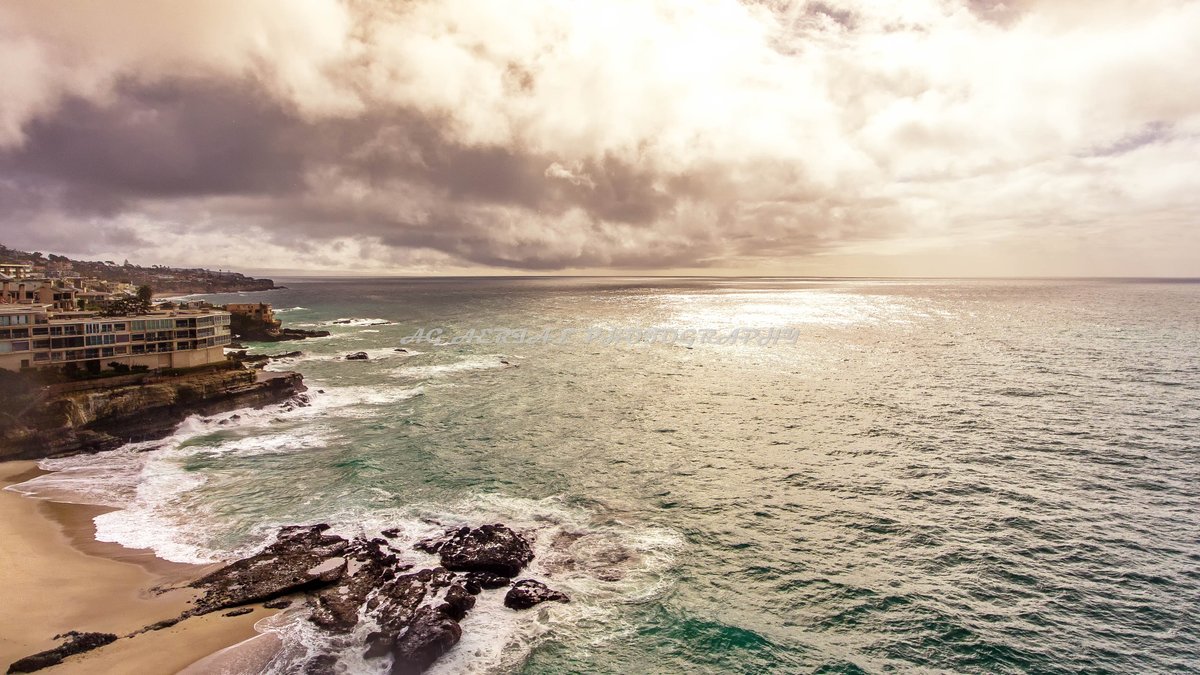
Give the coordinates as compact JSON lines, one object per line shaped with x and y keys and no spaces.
{"x":193,"y":139}
{"x":183,"y":138}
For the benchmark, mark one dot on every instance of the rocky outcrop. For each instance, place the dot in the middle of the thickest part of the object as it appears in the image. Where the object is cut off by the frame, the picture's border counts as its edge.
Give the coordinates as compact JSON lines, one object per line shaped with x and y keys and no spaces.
{"x":492,"y":549}
{"x":76,"y":643}
{"x":526,"y":593}
{"x":301,"y":558}
{"x":249,"y":329}
{"x":357,"y":356}
{"x":105,"y":414}
{"x":345,"y":581}
{"x":341,"y":582}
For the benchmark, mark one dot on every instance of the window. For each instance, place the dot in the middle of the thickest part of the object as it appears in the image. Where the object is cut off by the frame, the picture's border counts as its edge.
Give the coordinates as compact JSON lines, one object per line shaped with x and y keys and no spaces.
{"x":14,"y":320}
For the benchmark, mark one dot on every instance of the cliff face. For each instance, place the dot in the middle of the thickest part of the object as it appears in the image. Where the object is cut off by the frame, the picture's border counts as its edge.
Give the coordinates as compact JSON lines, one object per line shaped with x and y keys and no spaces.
{"x":106,"y":416}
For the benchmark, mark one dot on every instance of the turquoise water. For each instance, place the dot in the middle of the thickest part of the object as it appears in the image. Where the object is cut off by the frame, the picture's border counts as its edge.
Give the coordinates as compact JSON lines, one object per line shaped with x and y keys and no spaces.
{"x":946,"y":475}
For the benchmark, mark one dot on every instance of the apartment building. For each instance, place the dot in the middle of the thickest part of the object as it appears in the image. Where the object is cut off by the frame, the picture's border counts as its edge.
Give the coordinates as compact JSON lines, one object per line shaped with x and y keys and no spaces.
{"x":16,"y":270}
{"x":35,"y":336}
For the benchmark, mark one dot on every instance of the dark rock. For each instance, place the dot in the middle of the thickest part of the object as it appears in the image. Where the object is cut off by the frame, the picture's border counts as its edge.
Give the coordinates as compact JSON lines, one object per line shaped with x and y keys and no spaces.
{"x":302,"y":558}
{"x":430,"y":634}
{"x":457,"y":602}
{"x":357,"y":356}
{"x":402,"y":350}
{"x":165,"y":623}
{"x":416,"y":613}
{"x":336,"y":607}
{"x":490,"y":548}
{"x":76,"y":643}
{"x":379,"y":645}
{"x":240,"y":611}
{"x":526,"y":593}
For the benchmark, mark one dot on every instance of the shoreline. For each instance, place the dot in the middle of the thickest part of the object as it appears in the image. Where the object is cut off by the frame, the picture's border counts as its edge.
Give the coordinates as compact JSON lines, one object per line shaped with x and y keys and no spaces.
{"x":58,"y":578}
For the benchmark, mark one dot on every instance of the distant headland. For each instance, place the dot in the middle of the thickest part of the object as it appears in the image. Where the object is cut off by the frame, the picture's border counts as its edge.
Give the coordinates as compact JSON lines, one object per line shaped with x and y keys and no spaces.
{"x":164,"y":280}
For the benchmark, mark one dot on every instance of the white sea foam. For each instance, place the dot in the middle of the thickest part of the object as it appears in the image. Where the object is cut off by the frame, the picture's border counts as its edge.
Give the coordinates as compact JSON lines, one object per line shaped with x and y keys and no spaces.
{"x":472,"y":363}
{"x":356,"y":322}
{"x":290,"y":309}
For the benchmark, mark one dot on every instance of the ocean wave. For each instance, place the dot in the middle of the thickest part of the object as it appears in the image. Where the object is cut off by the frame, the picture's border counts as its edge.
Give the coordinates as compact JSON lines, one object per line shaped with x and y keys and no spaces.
{"x":153,"y":491}
{"x":290,"y":309}
{"x":356,"y":322}
{"x":473,"y":363}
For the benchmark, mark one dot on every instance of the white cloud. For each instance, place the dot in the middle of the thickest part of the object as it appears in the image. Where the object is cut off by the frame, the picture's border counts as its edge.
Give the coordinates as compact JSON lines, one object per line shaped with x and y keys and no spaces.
{"x":808,"y":127}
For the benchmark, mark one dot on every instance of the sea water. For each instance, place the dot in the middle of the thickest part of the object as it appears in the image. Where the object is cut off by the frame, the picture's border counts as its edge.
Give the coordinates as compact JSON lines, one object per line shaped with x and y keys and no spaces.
{"x":730,"y":475}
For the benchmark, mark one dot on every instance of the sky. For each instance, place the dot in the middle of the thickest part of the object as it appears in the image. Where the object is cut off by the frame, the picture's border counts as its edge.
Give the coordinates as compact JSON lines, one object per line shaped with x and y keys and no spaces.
{"x":761,"y":137}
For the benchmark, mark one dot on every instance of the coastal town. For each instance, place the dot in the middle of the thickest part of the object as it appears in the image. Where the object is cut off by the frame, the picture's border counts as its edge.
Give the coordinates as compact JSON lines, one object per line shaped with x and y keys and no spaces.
{"x":90,"y":361}
{"x":85,"y":317}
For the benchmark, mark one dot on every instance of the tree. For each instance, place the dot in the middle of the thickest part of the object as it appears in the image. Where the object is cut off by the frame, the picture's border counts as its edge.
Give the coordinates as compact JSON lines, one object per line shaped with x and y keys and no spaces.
{"x":130,"y":304}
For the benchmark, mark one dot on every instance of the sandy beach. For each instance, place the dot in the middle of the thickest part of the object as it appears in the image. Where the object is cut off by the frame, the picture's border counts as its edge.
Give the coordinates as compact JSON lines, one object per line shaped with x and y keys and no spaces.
{"x":58,"y":578}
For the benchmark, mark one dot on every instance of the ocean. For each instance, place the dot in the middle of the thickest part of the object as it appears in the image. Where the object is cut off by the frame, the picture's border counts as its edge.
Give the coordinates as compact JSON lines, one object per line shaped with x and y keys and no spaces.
{"x":730,"y":475}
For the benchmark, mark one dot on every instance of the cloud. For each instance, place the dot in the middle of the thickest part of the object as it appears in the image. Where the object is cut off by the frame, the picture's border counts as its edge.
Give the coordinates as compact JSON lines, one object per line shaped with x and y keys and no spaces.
{"x":631,"y":134}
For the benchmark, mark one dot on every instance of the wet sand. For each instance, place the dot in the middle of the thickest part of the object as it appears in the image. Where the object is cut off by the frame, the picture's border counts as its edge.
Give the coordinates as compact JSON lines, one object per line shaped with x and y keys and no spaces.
{"x":55,"y":577}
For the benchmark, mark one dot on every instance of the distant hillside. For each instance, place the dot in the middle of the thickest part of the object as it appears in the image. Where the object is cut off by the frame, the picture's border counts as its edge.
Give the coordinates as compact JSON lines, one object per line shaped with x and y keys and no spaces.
{"x":164,"y":280}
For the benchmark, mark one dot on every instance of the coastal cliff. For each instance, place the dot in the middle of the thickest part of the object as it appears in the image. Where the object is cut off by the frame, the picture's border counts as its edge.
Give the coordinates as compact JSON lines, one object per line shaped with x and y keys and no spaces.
{"x":92,"y":416}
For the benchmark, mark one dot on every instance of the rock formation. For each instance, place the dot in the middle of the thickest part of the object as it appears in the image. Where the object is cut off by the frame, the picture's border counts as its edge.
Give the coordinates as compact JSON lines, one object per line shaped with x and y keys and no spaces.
{"x":75,"y":643}
{"x":104,"y":414}
{"x":342,"y":581}
{"x":526,"y":593}
{"x":418,"y":613}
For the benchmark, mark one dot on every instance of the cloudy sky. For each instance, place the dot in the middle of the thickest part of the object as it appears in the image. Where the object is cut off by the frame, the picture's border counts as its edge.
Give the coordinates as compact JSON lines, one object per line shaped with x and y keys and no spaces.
{"x":856,"y":137}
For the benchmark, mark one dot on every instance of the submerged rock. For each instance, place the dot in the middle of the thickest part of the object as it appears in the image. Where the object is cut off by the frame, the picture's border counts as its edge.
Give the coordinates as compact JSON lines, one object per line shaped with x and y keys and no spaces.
{"x":76,"y":643}
{"x":496,"y":549}
{"x":526,"y":593}
{"x":357,"y":356}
